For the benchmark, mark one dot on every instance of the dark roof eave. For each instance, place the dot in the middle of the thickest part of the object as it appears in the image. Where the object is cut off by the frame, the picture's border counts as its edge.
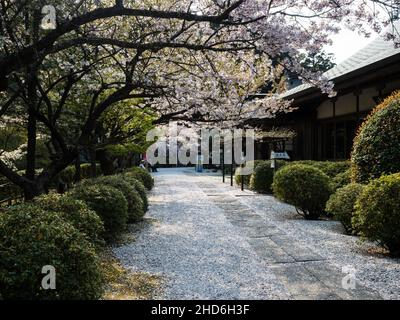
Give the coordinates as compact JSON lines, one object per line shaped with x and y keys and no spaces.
{"x":314,"y":92}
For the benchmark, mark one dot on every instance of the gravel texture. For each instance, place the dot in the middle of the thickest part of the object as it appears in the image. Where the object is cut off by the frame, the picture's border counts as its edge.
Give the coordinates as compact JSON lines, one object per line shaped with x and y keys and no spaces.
{"x":201,"y":255}
{"x":374,"y":269}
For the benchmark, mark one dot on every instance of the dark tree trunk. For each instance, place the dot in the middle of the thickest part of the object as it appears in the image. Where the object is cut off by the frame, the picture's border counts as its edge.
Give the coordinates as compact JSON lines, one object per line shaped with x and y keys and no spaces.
{"x":92,"y":154}
{"x":34,"y":189}
{"x":32,"y":29}
{"x":78,"y":171}
{"x":106,"y":163}
{"x":31,"y":149}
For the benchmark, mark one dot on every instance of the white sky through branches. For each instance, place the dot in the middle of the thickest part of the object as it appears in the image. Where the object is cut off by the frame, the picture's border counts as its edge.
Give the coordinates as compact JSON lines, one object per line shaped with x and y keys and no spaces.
{"x":346,"y":43}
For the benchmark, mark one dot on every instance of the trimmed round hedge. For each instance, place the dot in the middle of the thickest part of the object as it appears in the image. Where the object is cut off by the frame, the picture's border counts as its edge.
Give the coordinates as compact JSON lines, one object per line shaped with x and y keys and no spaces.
{"x":330,"y":168}
{"x":109,"y":203}
{"x":31,"y":238}
{"x":135,"y":203}
{"x":142,"y":175}
{"x":342,"y":205}
{"x":263,"y":176}
{"x":341,"y":180}
{"x":246,"y":178}
{"x":74,"y":211}
{"x":140,"y":189}
{"x":305,"y":187}
{"x":376,"y":149}
{"x":377,"y":215}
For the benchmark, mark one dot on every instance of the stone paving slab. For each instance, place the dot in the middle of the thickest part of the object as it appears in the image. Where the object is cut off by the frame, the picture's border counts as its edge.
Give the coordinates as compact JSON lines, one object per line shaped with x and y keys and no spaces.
{"x":304,"y":273}
{"x":332,"y":277}
{"x":299,"y":252}
{"x":269,"y":251}
{"x":302,"y":284}
{"x":261,"y":231}
{"x":251,"y":222}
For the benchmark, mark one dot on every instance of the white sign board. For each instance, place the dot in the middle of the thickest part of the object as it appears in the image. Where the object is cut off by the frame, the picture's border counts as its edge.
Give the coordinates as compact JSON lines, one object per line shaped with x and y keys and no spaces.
{"x":279,"y":156}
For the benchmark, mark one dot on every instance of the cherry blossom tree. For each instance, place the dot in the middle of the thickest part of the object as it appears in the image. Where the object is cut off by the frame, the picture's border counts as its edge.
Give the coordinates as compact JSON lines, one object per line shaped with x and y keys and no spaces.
{"x":190,"y":60}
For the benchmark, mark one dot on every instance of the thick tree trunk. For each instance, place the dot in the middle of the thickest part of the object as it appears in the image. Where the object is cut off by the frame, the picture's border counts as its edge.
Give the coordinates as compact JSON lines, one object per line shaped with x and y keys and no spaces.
{"x":78,"y":171}
{"x":34,"y":189}
{"x":32,"y":28}
{"x":106,"y":163}
{"x":31,"y":149}
{"x":92,"y":154}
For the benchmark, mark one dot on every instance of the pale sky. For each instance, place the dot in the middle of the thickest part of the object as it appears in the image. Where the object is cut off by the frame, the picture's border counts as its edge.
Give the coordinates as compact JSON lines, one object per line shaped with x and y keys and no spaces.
{"x":346,"y":43}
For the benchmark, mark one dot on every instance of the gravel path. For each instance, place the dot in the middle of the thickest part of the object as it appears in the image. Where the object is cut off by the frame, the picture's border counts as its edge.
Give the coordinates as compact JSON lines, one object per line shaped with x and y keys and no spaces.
{"x":211,"y":241}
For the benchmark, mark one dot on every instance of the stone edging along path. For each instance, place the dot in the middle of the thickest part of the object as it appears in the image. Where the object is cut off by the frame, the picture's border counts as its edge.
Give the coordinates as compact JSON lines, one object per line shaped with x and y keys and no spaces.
{"x":212,"y":241}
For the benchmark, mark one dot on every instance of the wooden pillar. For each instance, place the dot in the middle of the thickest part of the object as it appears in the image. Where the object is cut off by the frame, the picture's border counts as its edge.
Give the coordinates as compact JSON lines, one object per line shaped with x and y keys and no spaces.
{"x":233,"y":157}
{"x":357,"y":94}
{"x":380,"y":89}
{"x":223,"y":161}
{"x":334,"y":127}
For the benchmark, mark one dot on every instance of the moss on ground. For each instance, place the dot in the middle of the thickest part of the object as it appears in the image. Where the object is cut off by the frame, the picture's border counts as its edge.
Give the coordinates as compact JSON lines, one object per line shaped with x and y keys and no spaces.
{"x":123,"y":284}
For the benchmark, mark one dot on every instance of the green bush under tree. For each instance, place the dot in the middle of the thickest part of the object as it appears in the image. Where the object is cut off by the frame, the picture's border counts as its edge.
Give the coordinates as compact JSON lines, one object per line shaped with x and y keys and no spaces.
{"x":135,"y":203}
{"x":263,"y":176}
{"x":377,"y":215}
{"x":74,"y":211}
{"x":305,"y":187}
{"x":330,"y":168}
{"x":341,"y":205}
{"x":109,"y":203}
{"x":376,"y":149}
{"x":31,"y":238}
{"x":142,"y":175}
{"x":341,"y":180}
{"x":140,"y":188}
{"x":246,"y":178}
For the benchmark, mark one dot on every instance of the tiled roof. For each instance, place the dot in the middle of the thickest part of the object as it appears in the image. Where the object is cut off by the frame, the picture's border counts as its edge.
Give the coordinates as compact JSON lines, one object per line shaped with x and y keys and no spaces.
{"x":377,"y":50}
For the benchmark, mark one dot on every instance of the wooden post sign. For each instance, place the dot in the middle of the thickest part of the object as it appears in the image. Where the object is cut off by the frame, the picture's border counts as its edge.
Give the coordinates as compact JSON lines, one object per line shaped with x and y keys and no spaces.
{"x":278,"y":156}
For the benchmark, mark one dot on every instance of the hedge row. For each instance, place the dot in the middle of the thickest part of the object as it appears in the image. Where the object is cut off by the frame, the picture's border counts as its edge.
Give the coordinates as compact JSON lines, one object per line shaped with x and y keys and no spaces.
{"x":376,"y":148}
{"x":65,"y":231}
{"x":67,"y":176}
{"x":262,"y":178}
{"x":303,"y":186}
{"x":371,"y":211}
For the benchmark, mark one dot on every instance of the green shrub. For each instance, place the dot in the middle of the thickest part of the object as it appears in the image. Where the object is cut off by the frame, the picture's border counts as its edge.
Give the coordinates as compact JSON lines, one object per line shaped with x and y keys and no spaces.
{"x":139,"y":187}
{"x":342,"y":204}
{"x":376,"y":149}
{"x":74,"y":211}
{"x":330,"y":168}
{"x":67,"y":175}
{"x":142,"y":175}
{"x":377,"y":214}
{"x":305,"y":187}
{"x":246,"y":178}
{"x":86,"y":170}
{"x":109,"y":203}
{"x":263,"y":176}
{"x":31,"y":238}
{"x":138,"y":208}
{"x":341,"y":180}
{"x":135,"y":203}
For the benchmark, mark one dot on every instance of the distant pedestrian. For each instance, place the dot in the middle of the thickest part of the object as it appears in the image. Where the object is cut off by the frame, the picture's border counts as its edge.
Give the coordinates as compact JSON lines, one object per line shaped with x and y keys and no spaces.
{"x":142,"y":165}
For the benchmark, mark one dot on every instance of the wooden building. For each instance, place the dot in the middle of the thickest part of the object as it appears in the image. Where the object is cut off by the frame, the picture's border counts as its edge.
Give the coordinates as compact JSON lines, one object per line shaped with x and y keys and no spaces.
{"x":325,"y":128}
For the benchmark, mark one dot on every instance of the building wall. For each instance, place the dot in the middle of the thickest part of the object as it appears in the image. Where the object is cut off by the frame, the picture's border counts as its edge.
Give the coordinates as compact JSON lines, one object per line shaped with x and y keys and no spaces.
{"x":325,"y":132}
{"x":347,"y":104}
{"x":329,"y":133}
